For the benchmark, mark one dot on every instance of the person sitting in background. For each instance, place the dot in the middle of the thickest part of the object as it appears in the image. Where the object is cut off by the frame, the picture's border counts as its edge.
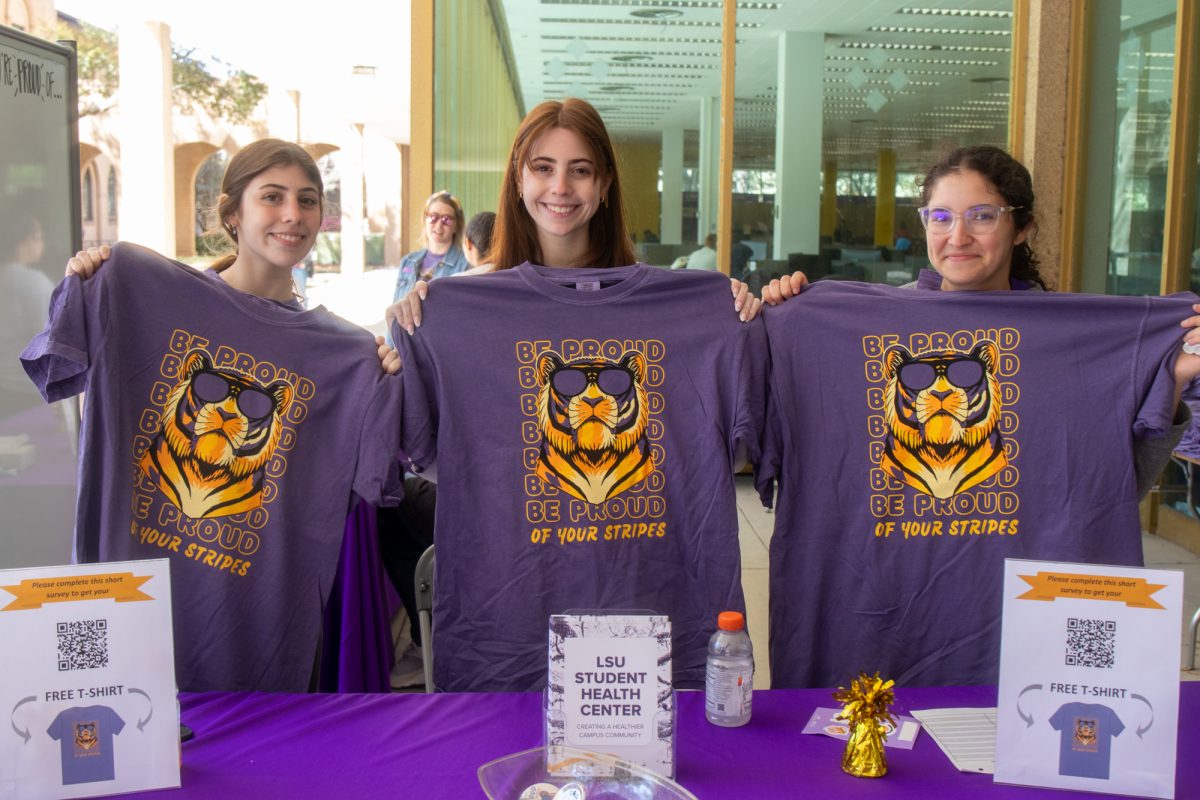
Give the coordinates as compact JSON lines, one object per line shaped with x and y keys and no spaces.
{"x":739,"y":259}
{"x":705,"y":257}
{"x":649,"y":237}
{"x":441,"y":232}
{"x":24,"y":296}
{"x":903,"y":240}
{"x":477,"y":241}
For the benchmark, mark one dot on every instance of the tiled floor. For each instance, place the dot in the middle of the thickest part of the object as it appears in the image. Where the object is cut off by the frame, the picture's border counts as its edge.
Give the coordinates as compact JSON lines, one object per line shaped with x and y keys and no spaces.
{"x":757,"y":524}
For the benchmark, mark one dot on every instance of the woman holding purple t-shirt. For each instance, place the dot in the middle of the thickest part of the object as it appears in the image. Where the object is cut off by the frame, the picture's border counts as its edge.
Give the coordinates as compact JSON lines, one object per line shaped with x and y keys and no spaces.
{"x":978,"y":211}
{"x":243,"y":411}
{"x":567,"y":276}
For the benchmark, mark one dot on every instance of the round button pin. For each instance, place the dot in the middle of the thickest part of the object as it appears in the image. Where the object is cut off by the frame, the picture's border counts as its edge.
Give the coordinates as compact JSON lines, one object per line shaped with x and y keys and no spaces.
{"x":539,"y":791}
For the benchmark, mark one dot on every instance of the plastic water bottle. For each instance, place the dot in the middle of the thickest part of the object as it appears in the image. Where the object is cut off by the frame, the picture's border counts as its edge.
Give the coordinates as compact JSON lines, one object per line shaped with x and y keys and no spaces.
{"x":729,"y":672}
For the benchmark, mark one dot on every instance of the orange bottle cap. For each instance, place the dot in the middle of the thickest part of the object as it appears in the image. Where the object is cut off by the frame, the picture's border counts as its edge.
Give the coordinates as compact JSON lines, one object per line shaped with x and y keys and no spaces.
{"x":731,"y":621}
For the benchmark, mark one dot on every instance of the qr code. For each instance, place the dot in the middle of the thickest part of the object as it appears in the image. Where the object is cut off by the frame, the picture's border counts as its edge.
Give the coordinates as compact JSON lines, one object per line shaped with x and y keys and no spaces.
{"x":1091,"y":642}
{"x":82,"y":644}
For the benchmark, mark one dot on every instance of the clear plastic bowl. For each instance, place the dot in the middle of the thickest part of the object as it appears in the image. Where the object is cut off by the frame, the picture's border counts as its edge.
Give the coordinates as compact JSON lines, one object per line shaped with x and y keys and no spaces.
{"x":602,"y":777}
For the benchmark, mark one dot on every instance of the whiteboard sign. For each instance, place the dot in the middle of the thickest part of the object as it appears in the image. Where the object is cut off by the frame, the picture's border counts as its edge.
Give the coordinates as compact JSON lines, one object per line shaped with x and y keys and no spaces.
{"x":89,"y":680}
{"x":1089,"y":678}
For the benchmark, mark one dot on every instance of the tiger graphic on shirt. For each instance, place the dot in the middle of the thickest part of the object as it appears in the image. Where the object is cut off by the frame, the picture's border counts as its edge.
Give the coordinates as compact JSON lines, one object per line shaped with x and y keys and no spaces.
{"x":219,"y":429}
{"x":85,"y":735}
{"x":593,"y":414}
{"x":942,"y":412}
{"x":1085,"y":734}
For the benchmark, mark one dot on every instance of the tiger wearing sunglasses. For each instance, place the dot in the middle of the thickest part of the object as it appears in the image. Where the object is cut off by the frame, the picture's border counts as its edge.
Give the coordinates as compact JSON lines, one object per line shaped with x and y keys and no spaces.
{"x":942,"y":413}
{"x":593,"y":414}
{"x":219,"y":430}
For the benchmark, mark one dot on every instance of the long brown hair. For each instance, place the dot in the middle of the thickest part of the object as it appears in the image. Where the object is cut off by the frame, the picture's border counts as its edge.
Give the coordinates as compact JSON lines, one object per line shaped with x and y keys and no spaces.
{"x":249,"y":162}
{"x":1011,"y":181}
{"x":515,"y":239}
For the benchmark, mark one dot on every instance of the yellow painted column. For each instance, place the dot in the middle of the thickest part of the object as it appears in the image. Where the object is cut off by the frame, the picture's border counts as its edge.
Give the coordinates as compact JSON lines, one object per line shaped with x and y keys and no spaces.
{"x":829,"y":199}
{"x":420,"y":148}
{"x":885,"y":199}
{"x":725,"y":182}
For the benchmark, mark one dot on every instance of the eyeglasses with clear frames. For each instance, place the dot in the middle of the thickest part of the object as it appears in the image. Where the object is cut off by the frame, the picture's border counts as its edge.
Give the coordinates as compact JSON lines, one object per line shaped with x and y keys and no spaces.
{"x":978,"y":219}
{"x":434,"y":219}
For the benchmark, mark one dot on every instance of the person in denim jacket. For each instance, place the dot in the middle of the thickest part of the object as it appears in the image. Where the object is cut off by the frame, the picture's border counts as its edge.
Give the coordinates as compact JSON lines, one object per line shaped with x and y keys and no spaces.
{"x":442,"y":227}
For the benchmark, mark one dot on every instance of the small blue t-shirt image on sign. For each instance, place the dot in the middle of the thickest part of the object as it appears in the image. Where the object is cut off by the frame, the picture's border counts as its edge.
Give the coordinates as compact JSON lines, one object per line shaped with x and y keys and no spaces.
{"x":85,"y":735}
{"x":1086,"y":732}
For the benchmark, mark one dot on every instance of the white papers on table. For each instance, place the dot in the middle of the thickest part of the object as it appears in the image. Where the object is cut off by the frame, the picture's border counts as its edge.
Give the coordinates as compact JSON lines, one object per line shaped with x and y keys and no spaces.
{"x":966,"y":735}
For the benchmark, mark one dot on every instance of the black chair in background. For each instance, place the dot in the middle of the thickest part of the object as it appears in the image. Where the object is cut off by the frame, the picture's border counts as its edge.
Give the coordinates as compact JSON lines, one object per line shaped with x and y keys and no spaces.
{"x":808,"y":263}
{"x":424,"y":583}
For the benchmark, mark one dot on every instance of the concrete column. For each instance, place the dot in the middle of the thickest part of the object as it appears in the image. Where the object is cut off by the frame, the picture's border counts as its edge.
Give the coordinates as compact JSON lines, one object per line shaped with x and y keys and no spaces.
{"x":710,"y":157}
{"x":147,"y":204}
{"x":798,"y":109}
{"x":1045,"y":122}
{"x":885,"y":199}
{"x":283,"y":113}
{"x":829,"y":218}
{"x":353,"y":199}
{"x":671,"y":221}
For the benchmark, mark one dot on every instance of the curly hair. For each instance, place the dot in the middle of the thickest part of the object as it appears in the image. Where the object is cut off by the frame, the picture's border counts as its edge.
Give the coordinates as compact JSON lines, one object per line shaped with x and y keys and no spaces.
{"x":1011,"y":181}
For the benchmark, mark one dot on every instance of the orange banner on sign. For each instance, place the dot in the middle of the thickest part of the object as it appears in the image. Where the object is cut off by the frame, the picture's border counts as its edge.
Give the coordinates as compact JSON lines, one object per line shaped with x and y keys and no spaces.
{"x":123,"y":587}
{"x":1133,"y":592}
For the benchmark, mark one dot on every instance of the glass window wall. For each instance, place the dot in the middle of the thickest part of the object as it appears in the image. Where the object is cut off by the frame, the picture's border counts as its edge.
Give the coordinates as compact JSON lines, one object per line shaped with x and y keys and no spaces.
{"x":1140,"y":72}
{"x":476,"y":103}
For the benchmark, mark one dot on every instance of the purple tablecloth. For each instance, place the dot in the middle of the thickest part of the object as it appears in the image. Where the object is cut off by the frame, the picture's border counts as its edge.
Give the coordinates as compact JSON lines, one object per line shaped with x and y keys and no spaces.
{"x":429,"y":746}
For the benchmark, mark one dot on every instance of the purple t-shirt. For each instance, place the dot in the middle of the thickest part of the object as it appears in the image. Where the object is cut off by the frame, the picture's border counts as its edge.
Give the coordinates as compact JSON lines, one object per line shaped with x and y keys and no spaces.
{"x":1086,"y":731}
{"x":584,"y":424}
{"x":429,"y":262}
{"x":226,"y":433}
{"x":920,"y":438}
{"x":85,"y":736}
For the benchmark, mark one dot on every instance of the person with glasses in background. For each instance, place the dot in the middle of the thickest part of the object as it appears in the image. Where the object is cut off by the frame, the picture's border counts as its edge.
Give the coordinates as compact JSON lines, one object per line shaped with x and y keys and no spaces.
{"x":442,"y":255}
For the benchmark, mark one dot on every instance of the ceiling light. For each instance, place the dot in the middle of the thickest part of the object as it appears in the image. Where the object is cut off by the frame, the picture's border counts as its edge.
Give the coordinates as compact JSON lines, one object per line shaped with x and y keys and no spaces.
{"x":656,"y":13}
{"x":956,"y":12}
{"x":937,"y":31}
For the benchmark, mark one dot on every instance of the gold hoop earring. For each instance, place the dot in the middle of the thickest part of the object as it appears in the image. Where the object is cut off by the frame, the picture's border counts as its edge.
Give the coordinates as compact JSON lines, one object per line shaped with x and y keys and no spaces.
{"x":604,"y":200}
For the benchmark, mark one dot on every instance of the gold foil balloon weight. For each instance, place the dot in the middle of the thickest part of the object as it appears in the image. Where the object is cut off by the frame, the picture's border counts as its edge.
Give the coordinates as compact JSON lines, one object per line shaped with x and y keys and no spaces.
{"x":864,"y":756}
{"x":865,"y":706}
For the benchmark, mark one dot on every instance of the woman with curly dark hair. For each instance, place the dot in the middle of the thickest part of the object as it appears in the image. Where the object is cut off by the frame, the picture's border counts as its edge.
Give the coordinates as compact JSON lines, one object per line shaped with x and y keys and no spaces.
{"x":977,"y":206}
{"x":979,"y":213}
